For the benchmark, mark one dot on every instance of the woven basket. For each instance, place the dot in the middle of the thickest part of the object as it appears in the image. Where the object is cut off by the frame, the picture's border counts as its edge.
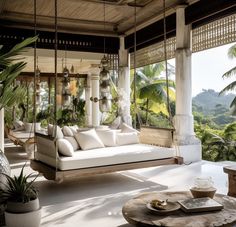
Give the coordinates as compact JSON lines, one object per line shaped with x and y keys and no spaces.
{"x":203,"y":192}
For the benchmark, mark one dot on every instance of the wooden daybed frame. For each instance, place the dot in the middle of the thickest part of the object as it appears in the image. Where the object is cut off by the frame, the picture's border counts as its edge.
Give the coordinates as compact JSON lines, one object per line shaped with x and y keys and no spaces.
{"x":51,"y":173}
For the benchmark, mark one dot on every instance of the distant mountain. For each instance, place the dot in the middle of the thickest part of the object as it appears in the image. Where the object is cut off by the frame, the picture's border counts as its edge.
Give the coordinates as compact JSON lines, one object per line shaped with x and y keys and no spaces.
{"x":209,"y":99}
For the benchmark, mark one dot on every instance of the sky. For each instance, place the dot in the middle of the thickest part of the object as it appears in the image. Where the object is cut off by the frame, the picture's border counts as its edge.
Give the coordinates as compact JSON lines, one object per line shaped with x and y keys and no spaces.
{"x":208,"y":66}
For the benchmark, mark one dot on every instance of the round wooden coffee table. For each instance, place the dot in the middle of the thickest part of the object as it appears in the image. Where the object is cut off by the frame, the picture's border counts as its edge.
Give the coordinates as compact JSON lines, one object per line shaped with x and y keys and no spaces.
{"x":136,"y":212}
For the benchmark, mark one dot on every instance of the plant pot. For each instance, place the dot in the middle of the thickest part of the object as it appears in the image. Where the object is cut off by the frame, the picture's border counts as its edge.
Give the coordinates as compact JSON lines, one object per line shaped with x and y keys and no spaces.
{"x":29,"y":127}
{"x":15,"y":207}
{"x":23,"y":214}
{"x":28,"y":219}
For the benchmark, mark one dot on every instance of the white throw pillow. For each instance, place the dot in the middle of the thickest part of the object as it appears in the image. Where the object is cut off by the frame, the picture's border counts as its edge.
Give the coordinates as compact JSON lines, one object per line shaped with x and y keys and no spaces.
{"x":21,"y":128}
{"x":126,"y":138}
{"x":108,"y":137}
{"x":65,"y":148}
{"x":73,"y":142}
{"x":116,"y":123}
{"x":18,"y":124}
{"x":67,"y":131}
{"x":88,"y":140}
{"x":74,"y":128}
{"x":59,"y":134}
{"x":127,"y":128}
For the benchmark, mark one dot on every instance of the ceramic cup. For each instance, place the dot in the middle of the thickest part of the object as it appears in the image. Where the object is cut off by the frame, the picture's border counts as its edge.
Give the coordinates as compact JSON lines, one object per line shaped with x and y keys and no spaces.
{"x":203,"y":182}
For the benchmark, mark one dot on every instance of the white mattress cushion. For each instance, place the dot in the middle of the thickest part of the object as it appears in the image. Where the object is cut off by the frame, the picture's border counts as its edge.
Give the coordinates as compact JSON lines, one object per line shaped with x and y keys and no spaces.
{"x":108,"y":156}
{"x":108,"y":137}
{"x":126,"y":138}
{"x":65,"y":147}
{"x":88,"y":140}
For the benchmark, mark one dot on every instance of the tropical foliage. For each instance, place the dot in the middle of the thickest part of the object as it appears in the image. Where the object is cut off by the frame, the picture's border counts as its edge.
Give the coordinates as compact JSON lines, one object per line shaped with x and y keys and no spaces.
{"x":217,"y":145}
{"x":151,"y":92}
{"x":229,"y":74}
{"x":18,"y":188}
{"x":10,"y":94}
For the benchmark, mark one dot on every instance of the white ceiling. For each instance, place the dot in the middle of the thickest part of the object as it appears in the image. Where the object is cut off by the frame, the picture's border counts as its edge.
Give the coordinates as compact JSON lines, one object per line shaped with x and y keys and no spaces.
{"x":81,"y":61}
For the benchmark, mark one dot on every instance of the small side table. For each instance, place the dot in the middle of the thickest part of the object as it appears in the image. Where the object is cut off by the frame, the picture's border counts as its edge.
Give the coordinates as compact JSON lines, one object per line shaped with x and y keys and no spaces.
{"x":231,"y":171}
{"x":136,"y":212}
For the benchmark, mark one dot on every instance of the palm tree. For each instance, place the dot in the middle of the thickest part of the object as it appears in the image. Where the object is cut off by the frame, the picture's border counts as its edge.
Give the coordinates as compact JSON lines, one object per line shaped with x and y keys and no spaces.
{"x":228,"y":74}
{"x":9,"y":94}
{"x":151,"y":86}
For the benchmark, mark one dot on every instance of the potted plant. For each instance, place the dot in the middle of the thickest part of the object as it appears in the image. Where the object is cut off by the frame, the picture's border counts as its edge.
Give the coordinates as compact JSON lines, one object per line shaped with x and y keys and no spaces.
{"x":21,"y":201}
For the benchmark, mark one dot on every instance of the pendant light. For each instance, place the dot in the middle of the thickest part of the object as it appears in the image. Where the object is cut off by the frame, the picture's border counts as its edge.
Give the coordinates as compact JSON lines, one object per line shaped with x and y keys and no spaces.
{"x":105,"y":103}
{"x":66,"y":94}
{"x":38,"y":98}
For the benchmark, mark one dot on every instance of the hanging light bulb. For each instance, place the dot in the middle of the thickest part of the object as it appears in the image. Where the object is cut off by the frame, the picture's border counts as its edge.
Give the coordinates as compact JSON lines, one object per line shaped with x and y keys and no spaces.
{"x":72,"y":69}
{"x":66,"y":72}
{"x":38,"y":98}
{"x":66,"y":95}
{"x":105,"y":88}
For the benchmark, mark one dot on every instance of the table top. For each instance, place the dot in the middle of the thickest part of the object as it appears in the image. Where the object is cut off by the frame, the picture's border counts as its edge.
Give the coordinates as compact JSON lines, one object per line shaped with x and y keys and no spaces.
{"x":230,"y":169}
{"x":136,"y":212}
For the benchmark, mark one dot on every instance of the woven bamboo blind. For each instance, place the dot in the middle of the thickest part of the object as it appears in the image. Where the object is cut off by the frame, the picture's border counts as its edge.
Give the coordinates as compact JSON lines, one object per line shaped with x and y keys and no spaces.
{"x":214,"y":34}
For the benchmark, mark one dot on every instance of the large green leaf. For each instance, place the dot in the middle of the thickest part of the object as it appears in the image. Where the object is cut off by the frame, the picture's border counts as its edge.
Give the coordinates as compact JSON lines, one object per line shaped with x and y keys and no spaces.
{"x":10,"y":94}
{"x":7,"y":58}
{"x":230,"y":73}
{"x":229,"y":87}
{"x":232,"y":51}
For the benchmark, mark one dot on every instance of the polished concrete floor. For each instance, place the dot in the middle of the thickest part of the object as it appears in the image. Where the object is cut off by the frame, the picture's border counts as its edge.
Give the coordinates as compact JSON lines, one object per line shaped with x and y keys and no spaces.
{"x":97,"y":201}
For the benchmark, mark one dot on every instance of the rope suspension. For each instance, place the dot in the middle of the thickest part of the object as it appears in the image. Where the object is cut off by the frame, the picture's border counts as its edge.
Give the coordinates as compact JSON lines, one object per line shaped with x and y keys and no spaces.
{"x":55,"y":64}
{"x":166,"y":65}
{"x":35,"y":56}
{"x":55,"y":84}
{"x":134,"y":83}
{"x":35,"y":75}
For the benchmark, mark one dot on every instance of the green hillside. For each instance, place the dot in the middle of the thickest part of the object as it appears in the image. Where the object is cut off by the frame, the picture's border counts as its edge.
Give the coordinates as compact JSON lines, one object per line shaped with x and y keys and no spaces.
{"x":208,"y":100}
{"x":211,"y":109}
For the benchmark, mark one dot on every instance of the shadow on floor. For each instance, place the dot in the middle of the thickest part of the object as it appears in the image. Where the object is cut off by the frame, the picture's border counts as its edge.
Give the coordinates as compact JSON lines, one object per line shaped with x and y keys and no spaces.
{"x":126,"y":225}
{"x":95,"y":197}
{"x":88,"y":198}
{"x":15,"y":154}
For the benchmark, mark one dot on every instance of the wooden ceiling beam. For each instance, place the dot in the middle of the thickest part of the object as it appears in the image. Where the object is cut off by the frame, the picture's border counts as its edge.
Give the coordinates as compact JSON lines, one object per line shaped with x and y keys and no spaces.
{"x":210,"y":11}
{"x":46,"y":23}
{"x":52,"y":75}
{"x":73,"y":42}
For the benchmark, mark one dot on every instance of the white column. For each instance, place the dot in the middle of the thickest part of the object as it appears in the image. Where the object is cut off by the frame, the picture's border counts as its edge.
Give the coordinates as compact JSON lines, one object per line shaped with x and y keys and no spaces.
{"x":88,"y":103}
{"x":2,"y":129}
{"x":124,"y":83}
{"x":95,"y":94}
{"x":183,"y":120}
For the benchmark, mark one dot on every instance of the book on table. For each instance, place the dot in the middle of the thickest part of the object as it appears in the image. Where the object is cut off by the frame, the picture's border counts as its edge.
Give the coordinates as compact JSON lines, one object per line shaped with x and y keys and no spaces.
{"x":200,"y":204}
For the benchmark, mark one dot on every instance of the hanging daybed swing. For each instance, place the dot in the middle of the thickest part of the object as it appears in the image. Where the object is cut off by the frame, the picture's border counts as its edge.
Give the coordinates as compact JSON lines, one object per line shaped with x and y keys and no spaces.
{"x":162,"y":136}
{"x":48,"y":161}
